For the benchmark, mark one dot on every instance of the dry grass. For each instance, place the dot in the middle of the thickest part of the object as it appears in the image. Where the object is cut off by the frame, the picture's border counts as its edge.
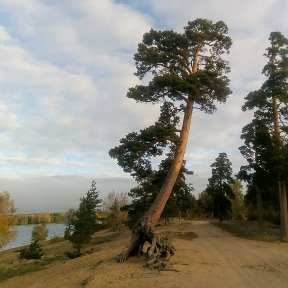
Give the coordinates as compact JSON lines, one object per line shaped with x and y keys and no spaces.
{"x":11,"y":265}
{"x":250,"y":230}
{"x":54,"y":251}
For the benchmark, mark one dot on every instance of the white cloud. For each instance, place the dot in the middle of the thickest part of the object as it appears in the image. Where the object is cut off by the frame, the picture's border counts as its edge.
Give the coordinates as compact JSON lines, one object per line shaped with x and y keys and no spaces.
{"x":68,"y":76}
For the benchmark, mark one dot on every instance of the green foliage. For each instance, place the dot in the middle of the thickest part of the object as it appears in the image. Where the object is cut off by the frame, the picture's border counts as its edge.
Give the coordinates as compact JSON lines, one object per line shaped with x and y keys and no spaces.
{"x":270,"y":103}
{"x":136,"y":149}
{"x":168,"y":55}
{"x":39,"y":233}
{"x":219,"y":186}
{"x":83,"y":225}
{"x":71,"y":215}
{"x":259,"y":174}
{"x":7,"y":221}
{"x":205,"y":205}
{"x":237,"y":201}
{"x":144,"y":194}
{"x":33,"y":251}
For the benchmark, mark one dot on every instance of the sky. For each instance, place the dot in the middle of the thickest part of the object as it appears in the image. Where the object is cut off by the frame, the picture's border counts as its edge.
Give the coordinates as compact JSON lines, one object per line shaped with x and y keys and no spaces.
{"x":65,"y":68}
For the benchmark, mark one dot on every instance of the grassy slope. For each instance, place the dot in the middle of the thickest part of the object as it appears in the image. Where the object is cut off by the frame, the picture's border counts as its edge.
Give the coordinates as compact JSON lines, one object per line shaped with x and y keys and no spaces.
{"x":11,"y":265}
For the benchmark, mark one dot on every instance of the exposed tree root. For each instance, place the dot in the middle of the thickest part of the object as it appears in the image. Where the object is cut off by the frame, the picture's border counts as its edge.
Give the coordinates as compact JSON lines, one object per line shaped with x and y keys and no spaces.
{"x":158,"y":253}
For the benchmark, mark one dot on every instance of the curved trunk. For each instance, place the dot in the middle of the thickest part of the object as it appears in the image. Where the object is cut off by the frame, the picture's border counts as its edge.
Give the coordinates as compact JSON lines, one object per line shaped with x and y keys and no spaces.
{"x":143,"y":231}
{"x":153,"y":214}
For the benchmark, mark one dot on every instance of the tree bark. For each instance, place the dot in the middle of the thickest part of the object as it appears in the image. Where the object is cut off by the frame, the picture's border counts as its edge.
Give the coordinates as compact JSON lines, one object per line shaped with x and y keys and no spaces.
{"x":260,"y":219}
{"x":154,"y":212}
{"x":281,"y":183}
{"x":283,"y":211}
{"x":276,"y":125}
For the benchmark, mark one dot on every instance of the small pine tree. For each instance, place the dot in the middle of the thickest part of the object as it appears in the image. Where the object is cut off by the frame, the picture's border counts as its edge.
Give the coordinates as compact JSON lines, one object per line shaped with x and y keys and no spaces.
{"x":83,"y":225}
{"x":33,"y":251}
{"x":70,"y":216}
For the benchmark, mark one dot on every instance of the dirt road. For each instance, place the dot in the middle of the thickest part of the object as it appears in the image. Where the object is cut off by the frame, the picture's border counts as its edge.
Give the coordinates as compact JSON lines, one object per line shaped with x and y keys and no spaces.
{"x":213,"y":259}
{"x":217,"y":259}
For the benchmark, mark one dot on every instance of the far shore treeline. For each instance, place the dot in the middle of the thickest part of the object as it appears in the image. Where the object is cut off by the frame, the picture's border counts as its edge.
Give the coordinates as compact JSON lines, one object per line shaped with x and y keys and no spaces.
{"x":47,"y":218}
{"x":40,"y":218}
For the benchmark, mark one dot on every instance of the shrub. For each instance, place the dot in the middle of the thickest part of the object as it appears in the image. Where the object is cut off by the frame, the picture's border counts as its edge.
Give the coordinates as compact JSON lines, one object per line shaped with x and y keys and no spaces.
{"x":39,"y":233}
{"x":33,"y":251}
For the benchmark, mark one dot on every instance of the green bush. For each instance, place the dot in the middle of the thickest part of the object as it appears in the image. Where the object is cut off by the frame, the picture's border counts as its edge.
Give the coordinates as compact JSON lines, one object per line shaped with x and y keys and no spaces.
{"x":33,"y":251}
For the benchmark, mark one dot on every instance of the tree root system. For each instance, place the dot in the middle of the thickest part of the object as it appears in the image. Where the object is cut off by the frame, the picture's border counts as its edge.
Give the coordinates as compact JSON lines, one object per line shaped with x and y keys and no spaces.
{"x":157,"y":254}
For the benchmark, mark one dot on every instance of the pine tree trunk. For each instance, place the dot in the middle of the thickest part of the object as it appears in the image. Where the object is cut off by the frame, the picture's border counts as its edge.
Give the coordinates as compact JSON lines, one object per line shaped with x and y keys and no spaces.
{"x":78,"y":249}
{"x":260,"y":219}
{"x":281,"y":183}
{"x":144,"y":229}
{"x":153,"y":214}
{"x":283,"y":211}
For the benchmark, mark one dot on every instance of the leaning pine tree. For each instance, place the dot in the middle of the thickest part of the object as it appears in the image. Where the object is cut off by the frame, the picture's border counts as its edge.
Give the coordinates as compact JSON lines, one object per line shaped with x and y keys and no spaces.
{"x":188,"y":72}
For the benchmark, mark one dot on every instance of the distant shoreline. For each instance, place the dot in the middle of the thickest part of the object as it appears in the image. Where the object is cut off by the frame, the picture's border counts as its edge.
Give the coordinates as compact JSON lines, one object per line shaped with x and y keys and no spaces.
{"x":23,"y":237}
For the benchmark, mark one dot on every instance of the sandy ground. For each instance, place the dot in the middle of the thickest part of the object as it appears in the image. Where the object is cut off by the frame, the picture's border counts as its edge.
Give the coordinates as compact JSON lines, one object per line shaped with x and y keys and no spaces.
{"x":213,"y":259}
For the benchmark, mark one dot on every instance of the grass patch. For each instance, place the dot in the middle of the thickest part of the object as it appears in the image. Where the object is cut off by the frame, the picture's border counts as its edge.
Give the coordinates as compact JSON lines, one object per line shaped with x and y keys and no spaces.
{"x":250,"y":230}
{"x":9,"y":271}
{"x":101,"y":240}
{"x":11,"y":266}
{"x":20,"y":267}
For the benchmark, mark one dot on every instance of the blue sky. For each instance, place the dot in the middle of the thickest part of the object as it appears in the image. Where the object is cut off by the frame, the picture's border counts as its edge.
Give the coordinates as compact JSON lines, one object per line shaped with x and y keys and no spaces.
{"x":65,"y":67}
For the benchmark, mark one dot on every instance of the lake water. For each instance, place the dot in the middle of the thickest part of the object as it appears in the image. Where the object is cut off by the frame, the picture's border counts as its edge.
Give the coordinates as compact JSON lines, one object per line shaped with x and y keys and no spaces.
{"x":24,"y":234}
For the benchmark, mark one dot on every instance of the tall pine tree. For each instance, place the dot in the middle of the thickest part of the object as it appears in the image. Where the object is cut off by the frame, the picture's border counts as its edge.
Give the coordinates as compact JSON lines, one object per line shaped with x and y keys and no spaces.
{"x":188,"y":72}
{"x":219,"y":186}
{"x":270,"y":103}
